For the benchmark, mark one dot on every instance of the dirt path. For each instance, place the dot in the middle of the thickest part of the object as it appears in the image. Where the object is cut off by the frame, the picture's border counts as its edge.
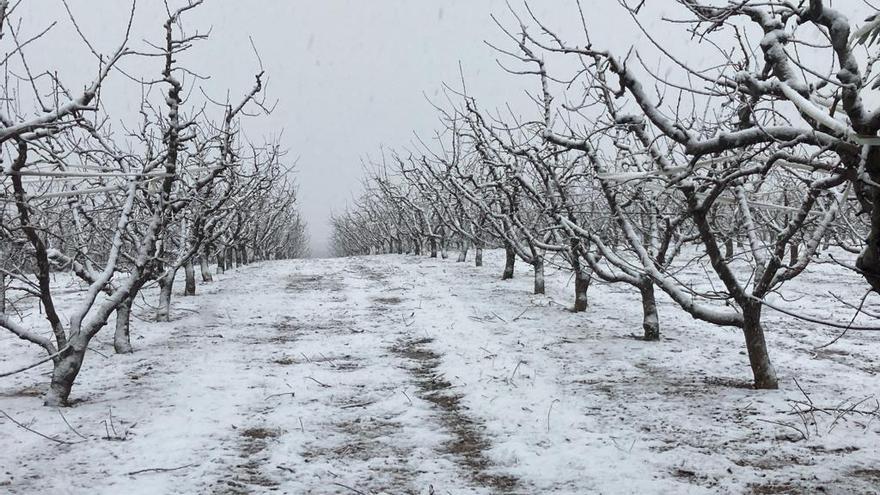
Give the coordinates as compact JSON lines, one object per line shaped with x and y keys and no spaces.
{"x":359,"y":394}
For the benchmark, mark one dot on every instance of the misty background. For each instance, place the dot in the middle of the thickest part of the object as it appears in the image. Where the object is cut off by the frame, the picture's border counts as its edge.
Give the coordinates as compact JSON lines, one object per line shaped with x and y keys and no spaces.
{"x":350,"y":77}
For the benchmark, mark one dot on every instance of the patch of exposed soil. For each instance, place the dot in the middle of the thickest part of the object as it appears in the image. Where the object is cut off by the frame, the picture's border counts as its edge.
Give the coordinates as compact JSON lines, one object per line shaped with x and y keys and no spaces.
{"x":468,"y":445}
{"x":245,"y":477}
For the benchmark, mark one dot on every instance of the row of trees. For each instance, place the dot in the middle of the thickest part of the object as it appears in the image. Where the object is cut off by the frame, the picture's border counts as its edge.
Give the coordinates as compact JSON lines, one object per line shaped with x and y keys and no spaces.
{"x":716,"y":183}
{"x":179,"y":186}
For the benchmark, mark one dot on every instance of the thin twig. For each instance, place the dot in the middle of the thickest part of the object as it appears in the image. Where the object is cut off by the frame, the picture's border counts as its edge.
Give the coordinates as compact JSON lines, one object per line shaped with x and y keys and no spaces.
{"x":159,"y":470}
{"x":349,"y":488}
{"x":319,"y":383}
{"x":69,"y":426}
{"x":47,"y":437}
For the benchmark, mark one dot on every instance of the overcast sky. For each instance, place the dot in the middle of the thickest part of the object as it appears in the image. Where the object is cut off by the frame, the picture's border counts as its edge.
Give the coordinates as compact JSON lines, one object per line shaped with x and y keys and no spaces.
{"x":350,"y":76}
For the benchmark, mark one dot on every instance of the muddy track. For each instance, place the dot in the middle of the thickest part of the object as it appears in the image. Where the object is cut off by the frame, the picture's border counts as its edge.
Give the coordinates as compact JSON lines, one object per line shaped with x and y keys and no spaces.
{"x":467,"y":445}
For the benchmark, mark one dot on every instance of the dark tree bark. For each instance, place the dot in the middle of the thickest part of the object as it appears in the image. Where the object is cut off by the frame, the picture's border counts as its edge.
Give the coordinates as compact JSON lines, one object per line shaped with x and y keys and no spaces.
{"x":650,"y":319}
{"x":462,"y":255}
{"x":64,"y":374}
{"x":539,"y":275}
{"x":190,"y":273}
{"x":205,"y":269}
{"x":2,"y":292}
{"x":509,"y":262}
{"x":728,"y":248}
{"x":166,"y":285}
{"x":582,"y":281}
{"x":122,"y":336}
{"x":759,"y":357}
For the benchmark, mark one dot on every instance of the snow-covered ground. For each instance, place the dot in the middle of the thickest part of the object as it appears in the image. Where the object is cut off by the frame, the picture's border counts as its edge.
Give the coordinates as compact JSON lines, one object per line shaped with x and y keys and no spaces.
{"x":401,"y":374}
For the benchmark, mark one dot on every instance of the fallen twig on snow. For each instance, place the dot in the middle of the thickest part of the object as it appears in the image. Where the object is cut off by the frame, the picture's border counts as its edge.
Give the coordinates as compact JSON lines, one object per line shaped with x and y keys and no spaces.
{"x":319,"y":383}
{"x":354,"y":490}
{"x":292,"y":394}
{"x":159,"y":470}
{"x":71,"y":427}
{"x":47,"y":437}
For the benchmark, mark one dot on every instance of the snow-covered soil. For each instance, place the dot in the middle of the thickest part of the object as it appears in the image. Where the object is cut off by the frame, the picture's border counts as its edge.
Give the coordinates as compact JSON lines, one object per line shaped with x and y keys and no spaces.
{"x":401,"y":374}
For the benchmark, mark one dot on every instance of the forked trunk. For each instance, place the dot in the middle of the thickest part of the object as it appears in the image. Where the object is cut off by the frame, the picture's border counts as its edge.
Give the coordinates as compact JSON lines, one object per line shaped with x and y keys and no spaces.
{"x":478,"y":256}
{"x":582,"y":280}
{"x":66,"y":369}
{"x":205,"y":269}
{"x":509,"y":262}
{"x":190,"y":272}
{"x":462,"y":255}
{"x":122,"y":336}
{"x":650,"y":319}
{"x":759,"y":357}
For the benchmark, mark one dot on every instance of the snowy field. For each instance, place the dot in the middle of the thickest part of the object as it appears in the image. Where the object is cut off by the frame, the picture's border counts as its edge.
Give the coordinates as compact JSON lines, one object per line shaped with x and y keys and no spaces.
{"x":396,"y":374}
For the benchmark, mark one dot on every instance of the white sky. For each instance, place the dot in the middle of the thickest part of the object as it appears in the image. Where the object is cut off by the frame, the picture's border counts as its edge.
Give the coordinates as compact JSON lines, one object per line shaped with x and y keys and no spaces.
{"x":351,"y":76}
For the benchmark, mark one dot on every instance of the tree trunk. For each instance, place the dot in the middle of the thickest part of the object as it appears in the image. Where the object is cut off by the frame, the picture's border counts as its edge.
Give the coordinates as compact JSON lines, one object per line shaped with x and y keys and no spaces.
{"x":650,"y":319}
{"x":728,"y":248}
{"x":539,"y":275}
{"x":509,"y":262}
{"x":2,"y":293}
{"x":166,"y":284}
{"x":433,"y":247}
{"x":478,"y":257}
{"x":793,"y":253}
{"x":205,"y":269}
{"x":190,"y":272}
{"x":66,"y":369}
{"x":122,"y":336}
{"x":443,"y":252}
{"x":582,"y":281}
{"x":244,"y":256}
{"x":462,"y":255}
{"x":759,"y":358}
